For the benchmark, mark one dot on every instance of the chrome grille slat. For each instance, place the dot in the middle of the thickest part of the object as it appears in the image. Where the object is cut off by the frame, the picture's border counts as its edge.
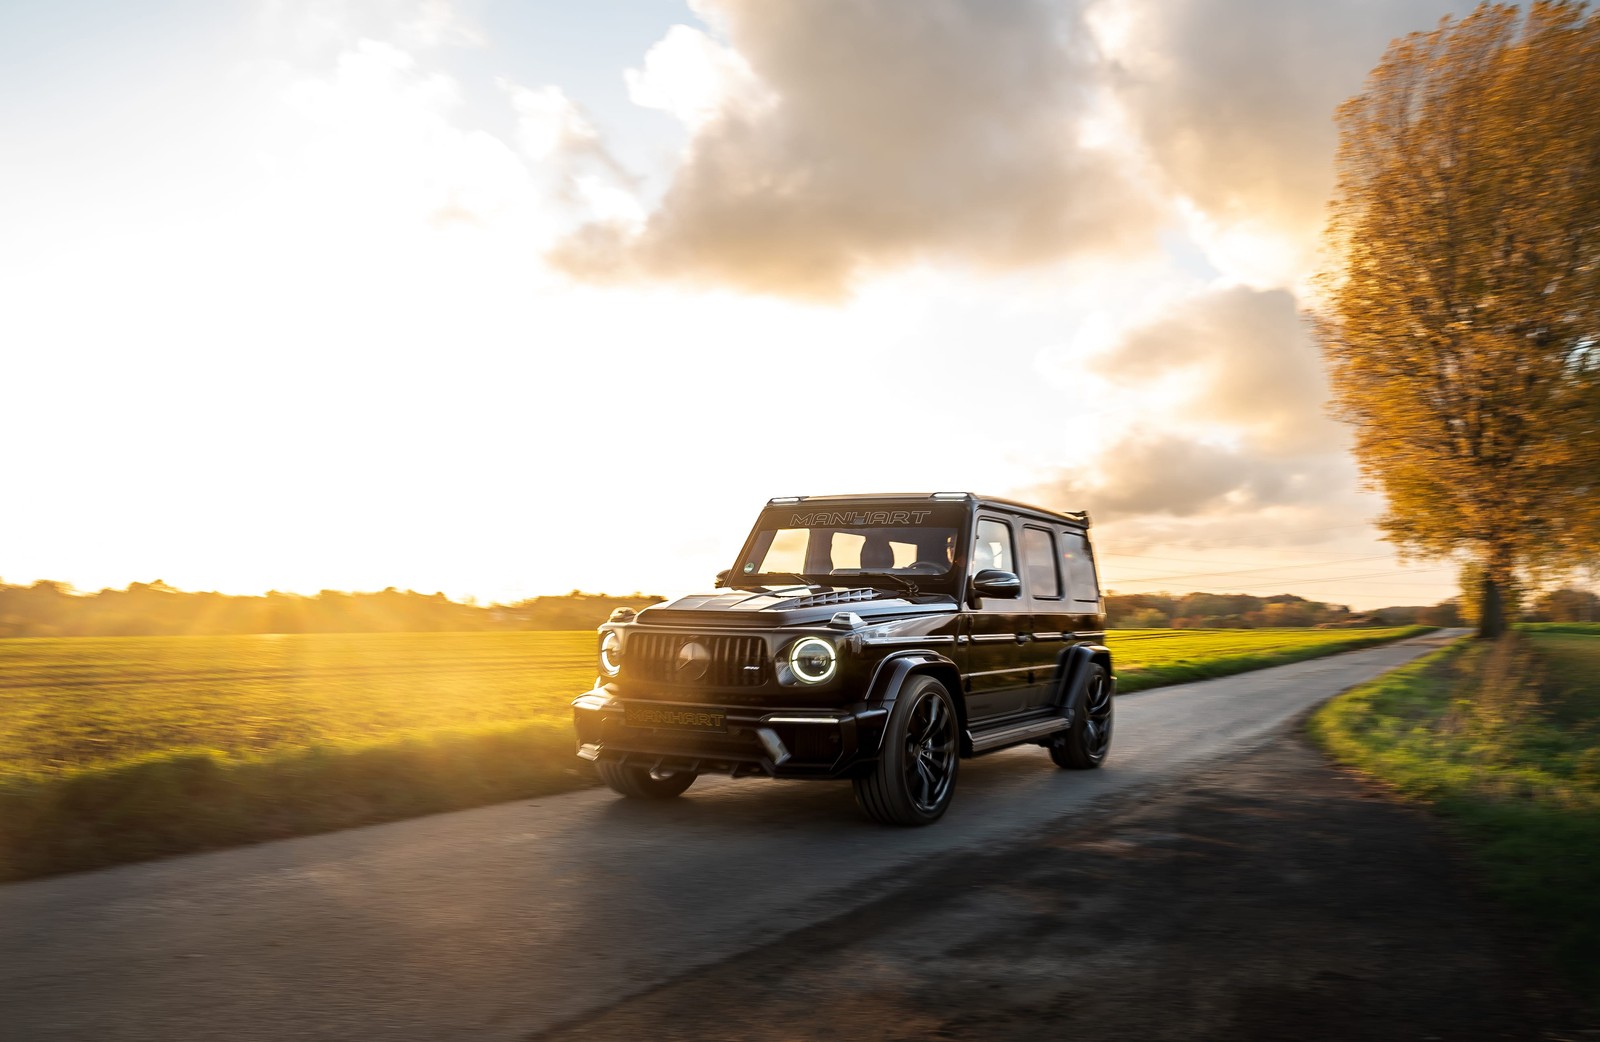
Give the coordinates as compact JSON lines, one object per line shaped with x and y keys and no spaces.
{"x":652,"y":657}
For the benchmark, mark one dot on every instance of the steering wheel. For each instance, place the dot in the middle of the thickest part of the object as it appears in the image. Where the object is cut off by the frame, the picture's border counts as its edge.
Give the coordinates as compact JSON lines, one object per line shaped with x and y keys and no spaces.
{"x":924,"y":568}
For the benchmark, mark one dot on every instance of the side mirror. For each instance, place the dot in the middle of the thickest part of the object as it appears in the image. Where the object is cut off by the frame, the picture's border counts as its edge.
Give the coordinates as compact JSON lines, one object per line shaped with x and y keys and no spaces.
{"x":993,"y":582}
{"x":722,"y":577}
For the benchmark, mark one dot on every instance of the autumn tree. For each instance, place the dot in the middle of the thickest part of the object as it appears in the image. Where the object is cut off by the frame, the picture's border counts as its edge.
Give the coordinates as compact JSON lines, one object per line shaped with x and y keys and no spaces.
{"x":1461,"y":318}
{"x":1567,"y":605}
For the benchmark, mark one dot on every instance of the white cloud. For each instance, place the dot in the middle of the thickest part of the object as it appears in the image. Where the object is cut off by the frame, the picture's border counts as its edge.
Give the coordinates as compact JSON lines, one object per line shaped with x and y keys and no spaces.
{"x":834,"y":138}
{"x":548,"y":123}
{"x":376,"y":140}
{"x":1219,"y":399}
{"x":1233,"y":101}
{"x":694,"y":78}
{"x":314,"y":27}
{"x":570,"y":154}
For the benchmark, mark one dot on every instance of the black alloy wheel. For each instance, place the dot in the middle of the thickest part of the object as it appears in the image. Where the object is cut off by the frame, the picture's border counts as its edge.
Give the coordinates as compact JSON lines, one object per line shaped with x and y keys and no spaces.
{"x":915,"y":776}
{"x":1085,"y":744}
{"x":642,"y":783}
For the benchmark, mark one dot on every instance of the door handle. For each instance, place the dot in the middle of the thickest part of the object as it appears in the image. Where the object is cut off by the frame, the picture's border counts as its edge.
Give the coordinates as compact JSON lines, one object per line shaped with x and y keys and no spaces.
{"x":1023,"y":638}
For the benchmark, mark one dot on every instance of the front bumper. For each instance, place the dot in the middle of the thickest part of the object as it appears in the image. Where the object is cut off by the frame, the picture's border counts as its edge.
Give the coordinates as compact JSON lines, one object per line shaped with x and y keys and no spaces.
{"x":737,"y":740}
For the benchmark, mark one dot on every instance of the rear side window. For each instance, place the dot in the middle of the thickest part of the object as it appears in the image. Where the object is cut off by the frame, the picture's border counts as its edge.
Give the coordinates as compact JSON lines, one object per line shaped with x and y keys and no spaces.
{"x":1039,"y":558}
{"x":1078,"y":564}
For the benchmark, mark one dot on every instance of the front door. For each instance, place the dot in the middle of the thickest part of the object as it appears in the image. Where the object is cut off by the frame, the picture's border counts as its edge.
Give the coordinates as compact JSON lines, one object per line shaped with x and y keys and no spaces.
{"x":995,"y":632}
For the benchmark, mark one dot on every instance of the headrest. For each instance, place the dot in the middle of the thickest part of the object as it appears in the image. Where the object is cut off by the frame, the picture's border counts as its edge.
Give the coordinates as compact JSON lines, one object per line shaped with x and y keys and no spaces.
{"x":877,"y":555}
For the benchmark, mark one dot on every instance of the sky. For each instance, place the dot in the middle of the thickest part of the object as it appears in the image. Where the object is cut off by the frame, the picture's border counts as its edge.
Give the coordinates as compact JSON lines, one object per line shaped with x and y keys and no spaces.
{"x":508,"y":298}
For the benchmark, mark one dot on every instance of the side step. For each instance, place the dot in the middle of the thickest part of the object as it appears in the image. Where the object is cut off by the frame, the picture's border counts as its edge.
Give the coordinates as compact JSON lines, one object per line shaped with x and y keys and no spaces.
{"x":1028,"y":729}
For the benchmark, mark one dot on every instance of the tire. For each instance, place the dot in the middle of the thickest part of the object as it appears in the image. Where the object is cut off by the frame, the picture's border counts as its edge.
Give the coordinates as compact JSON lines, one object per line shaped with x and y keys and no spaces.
{"x":915,"y":776}
{"x":1085,"y":744}
{"x":641,"y":783}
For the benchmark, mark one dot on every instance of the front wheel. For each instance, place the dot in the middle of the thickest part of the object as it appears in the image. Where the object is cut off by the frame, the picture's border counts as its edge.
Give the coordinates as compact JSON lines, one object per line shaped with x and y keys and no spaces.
{"x":1085,"y":744}
{"x":915,"y":776}
{"x":641,"y":783}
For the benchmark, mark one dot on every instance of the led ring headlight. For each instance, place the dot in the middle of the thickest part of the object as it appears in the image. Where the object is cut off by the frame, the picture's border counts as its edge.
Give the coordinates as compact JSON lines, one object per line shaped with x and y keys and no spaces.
{"x":813,"y":660}
{"x":610,"y":653}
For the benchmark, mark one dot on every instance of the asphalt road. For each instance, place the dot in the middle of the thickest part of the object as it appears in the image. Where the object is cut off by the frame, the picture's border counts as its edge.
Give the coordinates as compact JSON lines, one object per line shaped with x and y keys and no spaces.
{"x":501,"y":922}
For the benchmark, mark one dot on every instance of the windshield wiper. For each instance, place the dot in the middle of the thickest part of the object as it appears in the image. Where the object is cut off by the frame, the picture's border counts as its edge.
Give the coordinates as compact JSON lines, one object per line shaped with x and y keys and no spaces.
{"x":808,"y":583}
{"x":910,"y":587}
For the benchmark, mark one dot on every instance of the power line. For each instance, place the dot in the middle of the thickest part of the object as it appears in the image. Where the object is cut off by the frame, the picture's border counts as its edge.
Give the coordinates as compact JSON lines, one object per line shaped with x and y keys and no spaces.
{"x":1363,"y":580}
{"x":1192,"y":560}
{"x":1234,"y":546}
{"x":1252,"y":571}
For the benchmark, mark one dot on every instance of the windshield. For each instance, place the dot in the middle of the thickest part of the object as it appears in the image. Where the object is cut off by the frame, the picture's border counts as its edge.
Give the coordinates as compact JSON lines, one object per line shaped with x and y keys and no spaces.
{"x":820,"y":543}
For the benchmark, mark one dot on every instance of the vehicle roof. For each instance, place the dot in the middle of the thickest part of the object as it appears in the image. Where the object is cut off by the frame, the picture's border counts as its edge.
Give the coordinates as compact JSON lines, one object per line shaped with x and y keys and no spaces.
{"x":1074,"y":517}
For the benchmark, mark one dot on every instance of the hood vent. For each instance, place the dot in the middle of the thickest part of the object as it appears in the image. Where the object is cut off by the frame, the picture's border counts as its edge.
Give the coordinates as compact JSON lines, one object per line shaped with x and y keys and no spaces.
{"x":819,"y":600}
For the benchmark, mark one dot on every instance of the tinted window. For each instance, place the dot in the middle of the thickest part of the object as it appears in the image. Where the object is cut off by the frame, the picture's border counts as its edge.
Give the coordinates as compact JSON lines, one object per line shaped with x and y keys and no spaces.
{"x":1079,"y":567}
{"x":850,"y":547}
{"x":992,"y":547}
{"x":1039,"y":558}
{"x":821,"y":551}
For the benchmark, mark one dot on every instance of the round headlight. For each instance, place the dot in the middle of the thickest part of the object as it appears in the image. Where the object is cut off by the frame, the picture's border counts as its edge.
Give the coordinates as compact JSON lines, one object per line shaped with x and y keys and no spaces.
{"x":610,"y":653}
{"x":813,"y":659}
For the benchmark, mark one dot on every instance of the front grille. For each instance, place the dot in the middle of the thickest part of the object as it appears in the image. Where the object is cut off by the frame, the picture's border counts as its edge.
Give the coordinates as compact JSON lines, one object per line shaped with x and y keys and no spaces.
{"x":728,"y":661}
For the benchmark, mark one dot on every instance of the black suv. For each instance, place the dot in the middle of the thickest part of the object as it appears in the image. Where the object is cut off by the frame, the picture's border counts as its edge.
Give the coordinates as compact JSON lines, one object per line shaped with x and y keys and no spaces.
{"x":879,"y":638}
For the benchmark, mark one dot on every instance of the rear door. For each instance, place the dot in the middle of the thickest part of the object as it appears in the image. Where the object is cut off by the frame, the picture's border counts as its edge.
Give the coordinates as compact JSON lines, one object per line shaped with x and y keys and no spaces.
{"x":1049,"y":619}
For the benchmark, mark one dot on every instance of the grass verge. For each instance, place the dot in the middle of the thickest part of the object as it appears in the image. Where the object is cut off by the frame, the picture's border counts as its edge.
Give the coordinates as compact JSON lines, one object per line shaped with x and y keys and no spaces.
{"x":1155,"y":658}
{"x":186,"y":800}
{"x":1503,"y":740}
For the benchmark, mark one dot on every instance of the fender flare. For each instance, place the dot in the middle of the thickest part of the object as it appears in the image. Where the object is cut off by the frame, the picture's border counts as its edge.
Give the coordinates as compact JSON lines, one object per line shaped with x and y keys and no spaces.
{"x":892,"y":674}
{"x":1074,"y":672}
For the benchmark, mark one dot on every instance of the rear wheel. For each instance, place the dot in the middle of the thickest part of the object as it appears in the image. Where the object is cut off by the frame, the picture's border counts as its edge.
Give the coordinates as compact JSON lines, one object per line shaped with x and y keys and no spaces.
{"x":641,"y":783}
{"x":1085,"y":744}
{"x":915,"y":775}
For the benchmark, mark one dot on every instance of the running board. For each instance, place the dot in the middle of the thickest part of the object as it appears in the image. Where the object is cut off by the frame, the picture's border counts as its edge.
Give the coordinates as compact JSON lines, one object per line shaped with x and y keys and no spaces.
{"x":982,"y":743}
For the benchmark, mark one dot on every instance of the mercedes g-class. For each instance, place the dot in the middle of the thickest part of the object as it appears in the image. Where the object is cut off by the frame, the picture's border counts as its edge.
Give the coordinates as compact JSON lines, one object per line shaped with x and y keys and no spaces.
{"x":880,"y":638}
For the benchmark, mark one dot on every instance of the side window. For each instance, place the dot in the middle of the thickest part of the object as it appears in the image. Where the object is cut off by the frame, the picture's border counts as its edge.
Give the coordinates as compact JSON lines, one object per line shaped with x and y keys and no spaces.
{"x":1079,"y":566}
{"x":992,"y":548}
{"x":1039,"y":558}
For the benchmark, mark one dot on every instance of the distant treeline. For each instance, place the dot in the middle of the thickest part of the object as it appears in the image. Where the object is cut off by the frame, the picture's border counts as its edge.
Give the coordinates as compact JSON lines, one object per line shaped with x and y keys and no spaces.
{"x":1244,"y":611}
{"x":52,"y":609}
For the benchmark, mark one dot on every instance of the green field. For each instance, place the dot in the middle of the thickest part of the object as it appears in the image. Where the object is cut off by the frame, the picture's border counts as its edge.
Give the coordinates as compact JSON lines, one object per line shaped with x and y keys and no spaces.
{"x":70,"y":703}
{"x":1151,"y":658}
{"x":1504,"y":740}
{"x":118,"y":748}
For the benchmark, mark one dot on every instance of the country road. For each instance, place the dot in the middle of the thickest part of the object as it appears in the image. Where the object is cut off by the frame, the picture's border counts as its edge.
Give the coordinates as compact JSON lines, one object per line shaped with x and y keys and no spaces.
{"x":505,"y":921}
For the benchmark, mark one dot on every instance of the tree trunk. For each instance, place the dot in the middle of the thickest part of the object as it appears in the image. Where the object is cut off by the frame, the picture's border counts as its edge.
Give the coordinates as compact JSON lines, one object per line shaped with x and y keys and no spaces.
{"x":1491,"y":609}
